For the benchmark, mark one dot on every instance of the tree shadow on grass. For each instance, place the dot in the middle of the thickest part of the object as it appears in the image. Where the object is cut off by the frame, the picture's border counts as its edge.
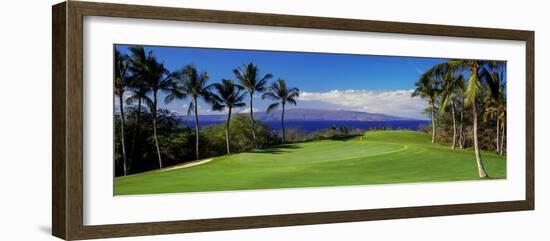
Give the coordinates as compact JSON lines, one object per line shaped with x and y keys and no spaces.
{"x":342,"y":138}
{"x":333,"y":138}
{"x":276,"y":149}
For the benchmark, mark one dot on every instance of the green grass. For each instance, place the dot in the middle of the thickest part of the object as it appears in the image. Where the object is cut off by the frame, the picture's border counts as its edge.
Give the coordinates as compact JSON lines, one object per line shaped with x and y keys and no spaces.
{"x":379,"y":157}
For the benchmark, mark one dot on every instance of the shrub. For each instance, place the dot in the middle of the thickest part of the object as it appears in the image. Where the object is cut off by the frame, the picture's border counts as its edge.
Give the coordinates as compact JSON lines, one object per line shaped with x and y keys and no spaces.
{"x":240,"y":136}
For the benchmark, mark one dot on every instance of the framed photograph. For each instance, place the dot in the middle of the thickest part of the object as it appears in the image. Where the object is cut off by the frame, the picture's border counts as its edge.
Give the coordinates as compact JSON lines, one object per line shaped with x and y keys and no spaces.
{"x":171,"y":120}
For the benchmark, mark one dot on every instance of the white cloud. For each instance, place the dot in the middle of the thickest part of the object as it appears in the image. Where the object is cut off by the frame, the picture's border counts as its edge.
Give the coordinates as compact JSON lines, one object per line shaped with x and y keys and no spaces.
{"x":396,"y":102}
{"x":247,"y":110}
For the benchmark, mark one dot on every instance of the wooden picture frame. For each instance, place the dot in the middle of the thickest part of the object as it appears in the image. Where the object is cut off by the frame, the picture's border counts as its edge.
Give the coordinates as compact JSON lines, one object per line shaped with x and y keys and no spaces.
{"x":67,"y":124}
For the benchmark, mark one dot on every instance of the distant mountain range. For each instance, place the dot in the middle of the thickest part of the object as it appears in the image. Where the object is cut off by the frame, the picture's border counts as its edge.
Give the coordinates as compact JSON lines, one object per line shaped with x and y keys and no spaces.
{"x":301,"y":114}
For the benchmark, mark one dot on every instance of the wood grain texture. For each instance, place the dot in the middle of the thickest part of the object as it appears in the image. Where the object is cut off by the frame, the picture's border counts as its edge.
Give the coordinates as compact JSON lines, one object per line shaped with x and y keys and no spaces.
{"x":279,"y":20}
{"x":74,"y":107}
{"x":138,"y":229}
{"x":59,"y":191}
{"x":530,"y":120}
{"x":67,"y":136}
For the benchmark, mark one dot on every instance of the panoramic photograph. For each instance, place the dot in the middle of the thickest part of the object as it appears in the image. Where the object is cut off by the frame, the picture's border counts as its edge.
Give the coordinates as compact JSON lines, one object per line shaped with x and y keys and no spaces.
{"x":190,"y":119}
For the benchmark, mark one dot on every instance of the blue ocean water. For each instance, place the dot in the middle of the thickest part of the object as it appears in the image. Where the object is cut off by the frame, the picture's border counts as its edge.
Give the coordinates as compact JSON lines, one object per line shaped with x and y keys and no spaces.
{"x":312,"y":126}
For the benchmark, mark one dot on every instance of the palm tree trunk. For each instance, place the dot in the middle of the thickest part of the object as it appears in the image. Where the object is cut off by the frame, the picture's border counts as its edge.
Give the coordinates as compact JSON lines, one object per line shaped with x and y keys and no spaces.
{"x":502,"y":139}
{"x":124,"y":160}
{"x":135,"y":135}
{"x":454,"y":123}
{"x":227,"y":131}
{"x":283,"y":123}
{"x":461,"y":131}
{"x":461,"y":127}
{"x":480,"y":167}
{"x":196,"y":128}
{"x":433,"y":119}
{"x":252,"y":122}
{"x":498,"y":127}
{"x":155,"y":128}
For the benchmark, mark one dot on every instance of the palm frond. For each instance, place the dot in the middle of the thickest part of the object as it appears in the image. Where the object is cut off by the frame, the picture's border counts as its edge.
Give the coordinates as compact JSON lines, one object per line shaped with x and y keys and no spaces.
{"x":291,"y":101}
{"x":191,"y":107}
{"x":492,"y":82}
{"x":132,"y":99}
{"x":294,"y":93}
{"x":278,"y":91}
{"x":270,"y":95}
{"x":260,"y":86}
{"x":218,"y":106}
{"x":228,"y":95}
{"x":248,"y":77}
{"x":174,"y":94}
{"x":473,"y":88}
{"x":272,"y":107}
{"x":240,"y":104}
{"x":147,"y":102}
{"x":239,"y":97}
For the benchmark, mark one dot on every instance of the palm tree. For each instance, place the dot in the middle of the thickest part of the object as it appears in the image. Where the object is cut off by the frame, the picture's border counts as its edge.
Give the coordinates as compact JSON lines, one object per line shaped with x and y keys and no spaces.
{"x":229,"y":96}
{"x":279,"y":92}
{"x":452,"y":87}
{"x":461,"y":100}
{"x":121,"y":82}
{"x":473,"y":89}
{"x":427,"y":88}
{"x":157,"y":77}
{"x":493,"y":110}
{"x":495,"y":102}
{"x":249,"y":76}
{"x":139,"y":90}
{"x":191,"y":82}
{"x":502,"y":117}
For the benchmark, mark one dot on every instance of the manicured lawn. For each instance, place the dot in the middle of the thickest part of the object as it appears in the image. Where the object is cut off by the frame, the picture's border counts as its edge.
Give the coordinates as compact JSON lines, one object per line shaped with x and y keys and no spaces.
{"x":379,"y":157}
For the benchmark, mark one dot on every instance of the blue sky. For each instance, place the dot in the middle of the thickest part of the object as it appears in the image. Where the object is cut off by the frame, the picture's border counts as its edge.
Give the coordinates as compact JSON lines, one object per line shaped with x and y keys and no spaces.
{"x":377,"y":84}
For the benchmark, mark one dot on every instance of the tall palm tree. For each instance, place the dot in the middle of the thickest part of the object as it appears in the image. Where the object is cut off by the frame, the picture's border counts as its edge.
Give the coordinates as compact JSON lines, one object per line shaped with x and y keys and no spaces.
{"x":493,"y":110}
{"x":190,"y":82}
{"x":157,"y":77}
{"x":279,"y":92}
{"x":427,"y":88}
{"x":121,"y":82}
{"x":473,"y":89}
{"x":249,"y":77}
{"x":495,"y":102}
{"x":139,"y":93}
{"x":452,"y":88}
{"x":229,"y":96}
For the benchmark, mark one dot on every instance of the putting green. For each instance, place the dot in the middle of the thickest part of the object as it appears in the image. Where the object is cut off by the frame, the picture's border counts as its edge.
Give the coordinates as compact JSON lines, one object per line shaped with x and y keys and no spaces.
{"x":375,"y":158}
{"x":316,"y":152}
